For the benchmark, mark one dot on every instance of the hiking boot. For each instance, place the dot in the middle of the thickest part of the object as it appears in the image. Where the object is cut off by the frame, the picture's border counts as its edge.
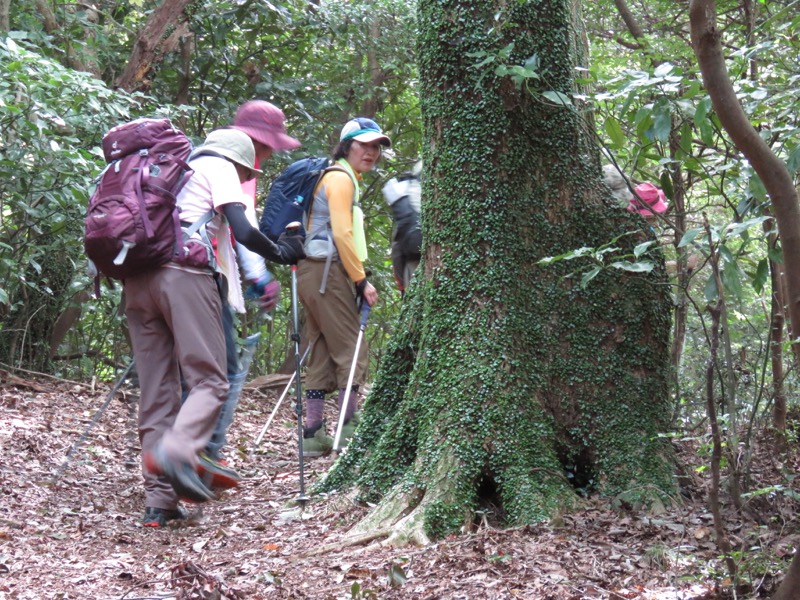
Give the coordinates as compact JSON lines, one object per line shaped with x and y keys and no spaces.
{"x":159,"y":517}
{"x":183,"y":478}
{"x":348,"y":429}
{"x":316,"y":443}
{"x":216,"y":474}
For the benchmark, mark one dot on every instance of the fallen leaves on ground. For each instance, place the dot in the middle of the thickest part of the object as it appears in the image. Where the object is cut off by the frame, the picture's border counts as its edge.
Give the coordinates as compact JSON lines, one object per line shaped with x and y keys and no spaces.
{"x":74,"y":531}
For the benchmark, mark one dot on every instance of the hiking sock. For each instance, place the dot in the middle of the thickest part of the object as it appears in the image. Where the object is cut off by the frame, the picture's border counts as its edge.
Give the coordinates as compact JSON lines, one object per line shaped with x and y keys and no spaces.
{"x":352,"y":403}
{"x":315,"y":410}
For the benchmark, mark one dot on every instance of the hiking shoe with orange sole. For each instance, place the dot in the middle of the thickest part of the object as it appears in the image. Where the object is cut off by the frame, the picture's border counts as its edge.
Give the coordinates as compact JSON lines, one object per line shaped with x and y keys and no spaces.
{"x":159,"y":517}
{"x":215,"y":474}
{"x":183,"y":478}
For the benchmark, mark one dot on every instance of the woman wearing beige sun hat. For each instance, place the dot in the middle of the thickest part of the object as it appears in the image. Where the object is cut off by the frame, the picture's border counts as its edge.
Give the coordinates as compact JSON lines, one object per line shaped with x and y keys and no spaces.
{"x":265,"y":125}
{"x":174,"y":320}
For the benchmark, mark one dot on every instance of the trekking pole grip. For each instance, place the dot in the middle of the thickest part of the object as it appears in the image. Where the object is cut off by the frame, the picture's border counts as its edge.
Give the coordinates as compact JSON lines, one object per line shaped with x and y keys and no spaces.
{"x":365,"y":308}
{"x":293,"y":228}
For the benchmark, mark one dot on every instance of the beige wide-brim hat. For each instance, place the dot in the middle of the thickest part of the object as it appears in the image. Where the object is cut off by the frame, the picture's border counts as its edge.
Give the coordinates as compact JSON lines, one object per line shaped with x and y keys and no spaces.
{"x":232,"y":144}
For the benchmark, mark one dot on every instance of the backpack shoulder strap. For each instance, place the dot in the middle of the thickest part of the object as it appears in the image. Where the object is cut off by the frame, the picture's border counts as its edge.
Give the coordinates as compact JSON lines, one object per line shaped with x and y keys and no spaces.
{"x":201,"y":222}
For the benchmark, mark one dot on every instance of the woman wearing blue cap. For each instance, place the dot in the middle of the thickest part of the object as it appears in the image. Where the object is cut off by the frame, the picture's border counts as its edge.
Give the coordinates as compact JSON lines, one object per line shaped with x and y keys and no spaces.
{"x":332,"y":280}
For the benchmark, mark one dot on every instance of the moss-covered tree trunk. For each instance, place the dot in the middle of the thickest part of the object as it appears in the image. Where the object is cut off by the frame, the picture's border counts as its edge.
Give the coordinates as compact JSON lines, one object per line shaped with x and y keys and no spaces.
{"x":504,"y":377}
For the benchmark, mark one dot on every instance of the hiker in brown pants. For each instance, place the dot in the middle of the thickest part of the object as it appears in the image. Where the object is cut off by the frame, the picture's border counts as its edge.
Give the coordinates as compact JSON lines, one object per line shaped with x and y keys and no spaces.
{"x":332,"y":280}
{"x":175,"y":323}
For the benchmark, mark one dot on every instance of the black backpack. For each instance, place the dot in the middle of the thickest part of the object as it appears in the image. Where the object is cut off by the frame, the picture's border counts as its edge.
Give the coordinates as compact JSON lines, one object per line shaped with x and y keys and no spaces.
{"x":407,"y":233}
{"x":291,"y":194}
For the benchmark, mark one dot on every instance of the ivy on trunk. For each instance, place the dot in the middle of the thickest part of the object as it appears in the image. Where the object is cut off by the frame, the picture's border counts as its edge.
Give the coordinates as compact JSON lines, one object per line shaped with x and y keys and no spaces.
{"x":508,"y":387}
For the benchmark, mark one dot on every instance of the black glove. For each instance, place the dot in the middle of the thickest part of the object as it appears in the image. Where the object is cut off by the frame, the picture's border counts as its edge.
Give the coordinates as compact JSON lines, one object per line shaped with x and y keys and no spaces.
{"x":291,"y":248}
{"x":360,"y":287}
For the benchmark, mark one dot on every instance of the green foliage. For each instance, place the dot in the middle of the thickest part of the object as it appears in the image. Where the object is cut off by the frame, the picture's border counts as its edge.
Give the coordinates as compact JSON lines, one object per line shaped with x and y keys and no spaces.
{"x":359,"y":593}
{"x":442,"y":519}
{"x":327,"y":62}
{"x":51,"y":123}
{"x":634,"y":262}
{"x":732,"y":242}
{"x":287,"y":54}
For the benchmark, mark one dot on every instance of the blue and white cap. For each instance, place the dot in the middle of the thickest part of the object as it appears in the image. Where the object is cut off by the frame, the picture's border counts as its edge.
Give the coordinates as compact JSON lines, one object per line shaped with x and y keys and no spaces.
{"x":364,"y":130}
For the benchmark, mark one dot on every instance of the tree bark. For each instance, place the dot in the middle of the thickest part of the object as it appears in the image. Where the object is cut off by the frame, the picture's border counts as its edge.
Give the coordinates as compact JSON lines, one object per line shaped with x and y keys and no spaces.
{"x":506,"y":380}
{"x":160,"y":35}
{"x":5,"y":23}
{"x":772,"y":171}
{"x":630,"y":21}
{"x":54,"y":28}
{"x":777,"y":322}
{"x":67,"y":319}
{"x":372,"y":104}
{"x":790,"y":586}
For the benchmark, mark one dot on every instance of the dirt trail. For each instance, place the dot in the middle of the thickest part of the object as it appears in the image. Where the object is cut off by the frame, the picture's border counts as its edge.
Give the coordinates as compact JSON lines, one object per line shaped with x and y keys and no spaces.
{"x":82,"y":537}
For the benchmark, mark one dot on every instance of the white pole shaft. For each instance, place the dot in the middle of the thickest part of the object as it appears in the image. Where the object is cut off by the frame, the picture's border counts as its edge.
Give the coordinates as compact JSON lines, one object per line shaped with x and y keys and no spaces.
{"x":346,"y":399}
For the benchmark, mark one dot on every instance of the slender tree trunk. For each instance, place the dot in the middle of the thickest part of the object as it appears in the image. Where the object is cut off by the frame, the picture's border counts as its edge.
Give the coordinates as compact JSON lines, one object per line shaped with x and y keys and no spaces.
{"x":630,"y":21}
{"x":777,"y":322}
{"x":5,"y":23}
{"x":185,"y":77}
{"x":683,"y":274}
{"x":53,"y":27}
{"x":372,"y":104}
{"x":772,"y":171}
{"x":160,"y":35}
{"x":723,"y":541}
{"x":790,"y":586}
{"x":66,"y":320}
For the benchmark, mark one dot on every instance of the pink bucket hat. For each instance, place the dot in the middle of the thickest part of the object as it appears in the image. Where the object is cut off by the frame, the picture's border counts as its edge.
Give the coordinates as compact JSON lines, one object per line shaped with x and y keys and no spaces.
{"x":265,"y":123}
{"x":653,"y":200}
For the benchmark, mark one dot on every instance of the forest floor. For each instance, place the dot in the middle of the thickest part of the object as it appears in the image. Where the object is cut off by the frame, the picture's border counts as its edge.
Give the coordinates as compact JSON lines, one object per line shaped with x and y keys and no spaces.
{"x":81,"y":536}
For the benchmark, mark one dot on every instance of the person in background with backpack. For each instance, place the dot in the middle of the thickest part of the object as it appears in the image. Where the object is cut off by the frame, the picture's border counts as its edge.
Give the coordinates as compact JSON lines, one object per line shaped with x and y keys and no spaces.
{"x":332,"y":280}
{"x":175,"y":323}
{"x":264,"y":123}
{"x":402,"y":194}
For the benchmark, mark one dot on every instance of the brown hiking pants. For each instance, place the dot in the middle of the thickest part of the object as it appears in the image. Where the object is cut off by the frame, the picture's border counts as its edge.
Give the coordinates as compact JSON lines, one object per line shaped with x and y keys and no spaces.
{"x":332,"y":323}
{"x":176,"y":329}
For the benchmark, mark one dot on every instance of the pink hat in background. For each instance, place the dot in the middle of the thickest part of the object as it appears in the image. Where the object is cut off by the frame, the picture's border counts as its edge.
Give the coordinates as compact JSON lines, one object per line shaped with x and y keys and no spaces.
{"x":265,"y":123}
{"x":653,"y":200}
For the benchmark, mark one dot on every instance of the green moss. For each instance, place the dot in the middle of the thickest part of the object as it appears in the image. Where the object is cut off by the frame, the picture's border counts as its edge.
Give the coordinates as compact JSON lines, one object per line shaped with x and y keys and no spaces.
{"x":442,"y":519}
{"x":510,"y":366}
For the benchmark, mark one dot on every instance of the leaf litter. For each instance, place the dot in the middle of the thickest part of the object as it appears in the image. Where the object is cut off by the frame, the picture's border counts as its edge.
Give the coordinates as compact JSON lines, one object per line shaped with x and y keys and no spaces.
{"x":81,"y":536}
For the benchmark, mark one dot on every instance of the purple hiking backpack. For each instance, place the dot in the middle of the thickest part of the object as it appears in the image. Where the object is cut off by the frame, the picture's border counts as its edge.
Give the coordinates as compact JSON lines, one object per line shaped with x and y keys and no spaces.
{"x":132,"y":224}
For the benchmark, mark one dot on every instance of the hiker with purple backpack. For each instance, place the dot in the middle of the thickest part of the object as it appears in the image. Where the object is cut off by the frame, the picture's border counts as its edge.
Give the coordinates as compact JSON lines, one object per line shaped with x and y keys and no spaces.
{"x":175,"y":323}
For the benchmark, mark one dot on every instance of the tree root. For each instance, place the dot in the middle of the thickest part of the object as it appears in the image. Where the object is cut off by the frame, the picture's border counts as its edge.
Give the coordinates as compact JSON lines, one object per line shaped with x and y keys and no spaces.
{"x":402,"y":511}
{"x":346,"y":542}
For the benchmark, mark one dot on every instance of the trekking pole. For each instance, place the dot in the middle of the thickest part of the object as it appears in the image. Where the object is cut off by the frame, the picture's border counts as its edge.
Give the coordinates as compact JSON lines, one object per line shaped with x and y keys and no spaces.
{"x":364,"y":314}
{"x":280,"y":399}
{"x":292,"y":229}
{"x":235,"y":385}
{"x":92,"y":423}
